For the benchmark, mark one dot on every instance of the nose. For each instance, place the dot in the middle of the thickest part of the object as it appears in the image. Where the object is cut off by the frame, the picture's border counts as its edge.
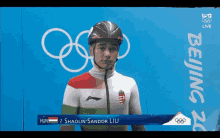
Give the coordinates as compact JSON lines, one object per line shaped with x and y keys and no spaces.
{"x":106,"y":52}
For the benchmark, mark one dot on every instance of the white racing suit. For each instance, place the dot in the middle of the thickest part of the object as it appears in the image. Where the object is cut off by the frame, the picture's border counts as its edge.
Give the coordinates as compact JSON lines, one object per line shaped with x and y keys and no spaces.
{"x":84,"y":96}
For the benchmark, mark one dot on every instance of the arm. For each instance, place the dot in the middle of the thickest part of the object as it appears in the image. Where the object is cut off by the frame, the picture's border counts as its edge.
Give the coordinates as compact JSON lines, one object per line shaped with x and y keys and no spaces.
{"x":70,"y":105}
{"x":135,"y":108}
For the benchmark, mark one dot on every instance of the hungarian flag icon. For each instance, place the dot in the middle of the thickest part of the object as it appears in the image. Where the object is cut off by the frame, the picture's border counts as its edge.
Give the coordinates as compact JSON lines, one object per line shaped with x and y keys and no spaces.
{"x":53,"y":119}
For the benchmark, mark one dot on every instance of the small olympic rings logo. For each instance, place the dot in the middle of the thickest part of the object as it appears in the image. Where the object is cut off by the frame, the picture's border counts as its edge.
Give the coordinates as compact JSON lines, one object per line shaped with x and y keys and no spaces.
{"x":206,"y":20}
{"x":86,"y":56}
{"x":180,"y":120}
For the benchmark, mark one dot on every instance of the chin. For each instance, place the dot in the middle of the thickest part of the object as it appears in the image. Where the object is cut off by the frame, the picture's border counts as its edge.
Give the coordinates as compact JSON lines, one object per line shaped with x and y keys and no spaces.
{"x":106,"y":67}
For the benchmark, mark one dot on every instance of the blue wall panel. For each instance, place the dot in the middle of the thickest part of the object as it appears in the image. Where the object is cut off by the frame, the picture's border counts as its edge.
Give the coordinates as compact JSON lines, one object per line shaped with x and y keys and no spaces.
{"x":11,"y":70}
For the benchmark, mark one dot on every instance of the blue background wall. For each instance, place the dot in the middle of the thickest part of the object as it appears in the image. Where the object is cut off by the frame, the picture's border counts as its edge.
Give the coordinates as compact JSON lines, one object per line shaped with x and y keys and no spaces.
{"x":33,"y":83}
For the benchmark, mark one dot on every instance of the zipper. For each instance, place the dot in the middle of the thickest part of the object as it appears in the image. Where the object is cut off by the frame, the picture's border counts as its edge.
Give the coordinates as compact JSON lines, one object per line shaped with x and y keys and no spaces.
{"x":107,"y":95}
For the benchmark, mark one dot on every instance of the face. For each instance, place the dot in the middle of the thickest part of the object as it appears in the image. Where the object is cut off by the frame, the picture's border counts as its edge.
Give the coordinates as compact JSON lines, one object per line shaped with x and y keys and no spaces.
{"x":106,"y":54}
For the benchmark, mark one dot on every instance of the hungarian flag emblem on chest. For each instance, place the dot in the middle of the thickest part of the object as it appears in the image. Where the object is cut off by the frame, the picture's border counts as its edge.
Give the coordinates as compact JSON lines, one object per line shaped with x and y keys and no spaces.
{"x":121,"y":97}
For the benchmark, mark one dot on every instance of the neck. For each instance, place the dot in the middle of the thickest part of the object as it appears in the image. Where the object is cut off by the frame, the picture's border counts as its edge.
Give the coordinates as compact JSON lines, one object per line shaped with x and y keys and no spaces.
{"x":100,"y":73}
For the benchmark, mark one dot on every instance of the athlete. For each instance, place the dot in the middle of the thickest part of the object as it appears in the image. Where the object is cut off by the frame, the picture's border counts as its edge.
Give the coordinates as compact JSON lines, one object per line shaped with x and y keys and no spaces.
{"x":102,"y":90}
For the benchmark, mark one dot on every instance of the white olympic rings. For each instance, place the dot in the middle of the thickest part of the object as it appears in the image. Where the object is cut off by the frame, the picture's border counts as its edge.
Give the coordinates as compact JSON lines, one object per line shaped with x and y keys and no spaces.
{"x":86,"y":56}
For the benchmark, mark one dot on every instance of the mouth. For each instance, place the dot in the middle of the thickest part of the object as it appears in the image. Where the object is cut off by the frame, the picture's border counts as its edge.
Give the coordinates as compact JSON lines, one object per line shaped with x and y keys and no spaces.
{"x":107,"y":61}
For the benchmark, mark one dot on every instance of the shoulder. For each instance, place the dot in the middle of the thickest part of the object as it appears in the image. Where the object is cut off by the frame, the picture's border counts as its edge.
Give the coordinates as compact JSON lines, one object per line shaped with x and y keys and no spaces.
{"x":82,"y":81}
{"x":128,"y":80}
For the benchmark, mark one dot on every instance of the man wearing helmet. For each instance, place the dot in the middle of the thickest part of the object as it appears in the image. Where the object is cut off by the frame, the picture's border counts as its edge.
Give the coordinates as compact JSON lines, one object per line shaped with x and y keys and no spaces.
{"x":102,"y":90}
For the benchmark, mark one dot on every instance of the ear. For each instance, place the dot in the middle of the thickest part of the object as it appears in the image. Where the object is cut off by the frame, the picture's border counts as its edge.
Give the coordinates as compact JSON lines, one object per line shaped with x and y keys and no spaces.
{"x":91,"y":50}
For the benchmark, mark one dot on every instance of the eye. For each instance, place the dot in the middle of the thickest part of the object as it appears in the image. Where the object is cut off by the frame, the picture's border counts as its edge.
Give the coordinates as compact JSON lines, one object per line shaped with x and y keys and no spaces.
{"x":113,"y":48}
{"x":102,"y":48}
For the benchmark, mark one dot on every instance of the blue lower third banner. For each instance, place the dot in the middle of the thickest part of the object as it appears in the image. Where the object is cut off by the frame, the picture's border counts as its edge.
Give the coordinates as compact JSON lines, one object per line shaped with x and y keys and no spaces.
{"x":104,"y":119}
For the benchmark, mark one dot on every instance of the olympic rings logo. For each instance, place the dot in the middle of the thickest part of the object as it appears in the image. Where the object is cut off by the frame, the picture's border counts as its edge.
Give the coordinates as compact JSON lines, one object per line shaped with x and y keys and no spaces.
{"x":70,"y":44}
{"x":180,"y":120}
